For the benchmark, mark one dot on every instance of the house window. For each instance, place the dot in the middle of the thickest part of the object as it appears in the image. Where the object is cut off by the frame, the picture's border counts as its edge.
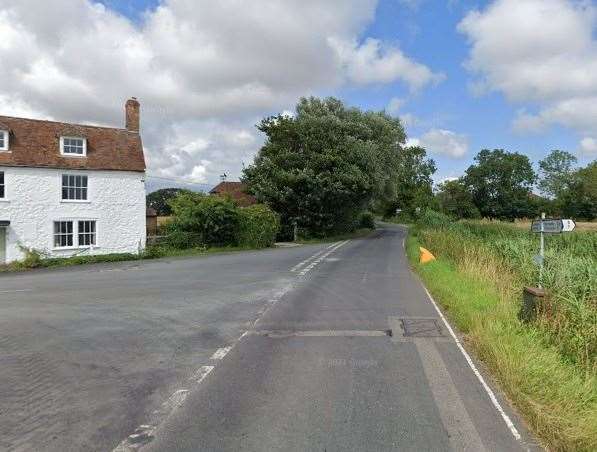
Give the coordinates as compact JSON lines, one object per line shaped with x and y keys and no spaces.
{"x":73,"y":146}
{"x":3,"y":140}
{"x":74,"y":188}
{"x":66,"y":237}
{"x":86,"y":233}
{"x":63,"y":234}
{"x":1,"y":184}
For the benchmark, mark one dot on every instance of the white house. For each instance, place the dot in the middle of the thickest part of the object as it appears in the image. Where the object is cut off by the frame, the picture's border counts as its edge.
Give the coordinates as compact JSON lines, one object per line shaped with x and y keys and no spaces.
{"x":68,"y":189}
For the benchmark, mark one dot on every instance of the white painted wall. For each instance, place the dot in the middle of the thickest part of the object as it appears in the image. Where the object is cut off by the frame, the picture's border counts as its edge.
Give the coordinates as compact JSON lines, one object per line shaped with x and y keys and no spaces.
{"x":116,"y":200}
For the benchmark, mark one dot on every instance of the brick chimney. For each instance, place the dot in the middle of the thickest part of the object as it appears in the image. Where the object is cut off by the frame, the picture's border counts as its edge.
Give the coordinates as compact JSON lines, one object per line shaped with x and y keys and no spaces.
{"x":132,"y":115}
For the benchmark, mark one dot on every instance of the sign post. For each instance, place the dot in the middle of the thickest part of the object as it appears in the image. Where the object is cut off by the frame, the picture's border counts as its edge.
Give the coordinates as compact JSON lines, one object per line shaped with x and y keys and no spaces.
{"x":548,"y":226}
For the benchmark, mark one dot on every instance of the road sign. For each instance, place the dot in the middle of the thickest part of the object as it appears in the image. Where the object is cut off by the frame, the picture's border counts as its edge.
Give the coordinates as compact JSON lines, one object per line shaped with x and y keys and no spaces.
{"x":553,"y":226}
{"x":569,"y":225}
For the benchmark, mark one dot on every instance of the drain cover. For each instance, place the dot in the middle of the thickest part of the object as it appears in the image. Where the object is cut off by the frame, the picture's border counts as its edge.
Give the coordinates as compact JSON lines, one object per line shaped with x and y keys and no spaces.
{"x":421,"y":328}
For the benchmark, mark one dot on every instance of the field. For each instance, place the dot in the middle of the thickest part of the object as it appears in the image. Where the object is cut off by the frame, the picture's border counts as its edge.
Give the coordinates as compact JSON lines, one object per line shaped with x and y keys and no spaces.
{"x":548,"y":367}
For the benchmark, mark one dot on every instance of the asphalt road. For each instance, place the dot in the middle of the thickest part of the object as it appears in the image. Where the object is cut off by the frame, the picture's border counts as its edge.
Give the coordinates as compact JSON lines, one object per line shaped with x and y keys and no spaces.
{"x":314,"y":348}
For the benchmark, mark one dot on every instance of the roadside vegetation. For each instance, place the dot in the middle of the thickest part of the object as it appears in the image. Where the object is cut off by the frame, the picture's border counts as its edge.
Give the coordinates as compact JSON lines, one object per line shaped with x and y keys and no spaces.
{"x":548,"y":367}
{"x":326,"y":167}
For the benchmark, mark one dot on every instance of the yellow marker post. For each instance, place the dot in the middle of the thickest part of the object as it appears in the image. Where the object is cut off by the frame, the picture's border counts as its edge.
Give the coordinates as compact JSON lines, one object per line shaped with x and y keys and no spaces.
{"x":425,"y":256}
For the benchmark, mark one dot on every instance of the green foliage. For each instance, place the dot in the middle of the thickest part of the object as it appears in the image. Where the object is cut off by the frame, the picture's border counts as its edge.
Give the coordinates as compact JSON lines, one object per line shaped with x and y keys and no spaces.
{"x":33,"y":258}
{"x":433,"y":219}
{"x":556,"y":170}
{"x":160,"y":200}
{"x":412,"y":183}
{"x":455,"y":199}
{"x":324,"y":166}
{"x":367,"y":220}
{"x":579,"y":199}
{"x":202,"y":220}
{"x":501,"y":184}
{"x":258,"y":226}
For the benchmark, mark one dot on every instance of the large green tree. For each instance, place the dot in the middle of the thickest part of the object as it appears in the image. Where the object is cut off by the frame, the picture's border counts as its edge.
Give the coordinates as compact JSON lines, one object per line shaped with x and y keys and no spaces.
{"x":455,"y":200}
{"x":555,"y":172}
{"x":500,"y":183}
{"x":324,"y":166}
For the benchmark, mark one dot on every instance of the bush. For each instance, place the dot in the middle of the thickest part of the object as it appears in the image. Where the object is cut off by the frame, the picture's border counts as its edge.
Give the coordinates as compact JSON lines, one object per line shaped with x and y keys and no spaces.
{"x":433,"y":219}
{"x":258,"y":226}
{"x":202,"y":220}
{"x":367,"y":220}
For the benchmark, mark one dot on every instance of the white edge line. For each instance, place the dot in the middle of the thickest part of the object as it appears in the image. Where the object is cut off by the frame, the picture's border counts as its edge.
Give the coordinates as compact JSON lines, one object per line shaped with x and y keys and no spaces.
{"x":470,"y":362}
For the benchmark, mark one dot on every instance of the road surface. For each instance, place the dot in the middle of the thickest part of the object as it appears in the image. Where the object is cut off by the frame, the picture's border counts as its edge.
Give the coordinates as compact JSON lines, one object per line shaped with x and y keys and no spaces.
{"x":331,"y":347}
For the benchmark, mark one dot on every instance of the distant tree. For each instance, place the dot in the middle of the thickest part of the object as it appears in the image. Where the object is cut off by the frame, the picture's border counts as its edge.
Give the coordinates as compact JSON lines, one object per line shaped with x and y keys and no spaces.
{"x":455,"y":200}
{"x":555,"y":171}
{"x":500,"y":183}
{"x":579,"y":200}
{"x":412,"y":183}
{"x":324,"y":166}
{"x":160,"y":200}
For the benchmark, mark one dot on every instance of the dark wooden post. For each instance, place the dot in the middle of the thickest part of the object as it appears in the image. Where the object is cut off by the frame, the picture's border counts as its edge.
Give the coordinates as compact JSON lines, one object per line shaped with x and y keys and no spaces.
{"x":532,"y":299}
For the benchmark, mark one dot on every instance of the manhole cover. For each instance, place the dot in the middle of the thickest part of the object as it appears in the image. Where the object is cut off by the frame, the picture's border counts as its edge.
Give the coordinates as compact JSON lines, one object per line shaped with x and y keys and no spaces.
{"x":421,"y":328}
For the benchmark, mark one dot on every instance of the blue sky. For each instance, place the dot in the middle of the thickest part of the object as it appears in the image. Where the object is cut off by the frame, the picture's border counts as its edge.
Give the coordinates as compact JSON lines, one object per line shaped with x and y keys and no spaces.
{"x":463,"y":75}
{"x":429,"y":34}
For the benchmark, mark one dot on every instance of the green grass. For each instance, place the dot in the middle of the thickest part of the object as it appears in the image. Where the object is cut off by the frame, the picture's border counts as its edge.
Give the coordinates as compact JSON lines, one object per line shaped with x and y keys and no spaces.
{"x":481,"y":294}
{"x":503,"y":254}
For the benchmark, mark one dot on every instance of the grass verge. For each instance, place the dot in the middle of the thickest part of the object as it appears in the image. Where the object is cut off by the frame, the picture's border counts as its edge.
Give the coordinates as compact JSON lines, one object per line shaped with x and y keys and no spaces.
{"x":153,"y":252}
{"x":558,"y":399}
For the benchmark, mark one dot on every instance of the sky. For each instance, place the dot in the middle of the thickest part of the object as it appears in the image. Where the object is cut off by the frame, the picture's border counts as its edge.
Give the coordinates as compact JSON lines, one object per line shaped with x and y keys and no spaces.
{"x":462,"y":75}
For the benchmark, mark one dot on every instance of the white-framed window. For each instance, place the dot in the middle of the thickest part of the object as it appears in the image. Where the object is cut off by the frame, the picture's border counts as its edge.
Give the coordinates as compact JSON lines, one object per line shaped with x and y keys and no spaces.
{"x":74,"y":187}
{"x":3,"y":140}
{"x":63,"y":234}
{"x":87,"y":233}
{"x":75,"y":146}
{"x":2,"y":188}
{"x":66,"y":237}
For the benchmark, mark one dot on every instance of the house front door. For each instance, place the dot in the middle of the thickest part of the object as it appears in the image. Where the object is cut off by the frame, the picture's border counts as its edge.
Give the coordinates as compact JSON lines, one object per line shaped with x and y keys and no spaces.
{"x":2,"y":245}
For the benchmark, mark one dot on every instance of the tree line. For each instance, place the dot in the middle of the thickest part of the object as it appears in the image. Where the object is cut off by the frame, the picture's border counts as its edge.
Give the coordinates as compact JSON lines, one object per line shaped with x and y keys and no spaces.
{"x":325,"y":168}
{"x":500,"y":185}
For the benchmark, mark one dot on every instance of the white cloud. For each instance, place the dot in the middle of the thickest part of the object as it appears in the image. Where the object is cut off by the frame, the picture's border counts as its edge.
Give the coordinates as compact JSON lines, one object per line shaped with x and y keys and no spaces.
{"x":442,"y":142}
{"x":588,"y":146}
{"x":373,"y":62}
{"x":190,"y":63}
{"x":542,"y":52}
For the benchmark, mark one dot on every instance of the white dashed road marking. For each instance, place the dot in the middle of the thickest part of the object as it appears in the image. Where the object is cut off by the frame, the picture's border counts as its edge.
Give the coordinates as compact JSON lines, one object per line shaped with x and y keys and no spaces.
{"x":201,"y":373}
{"x":144,"y":433}
{"x":221,"y":352}
{"x":321,"y":257}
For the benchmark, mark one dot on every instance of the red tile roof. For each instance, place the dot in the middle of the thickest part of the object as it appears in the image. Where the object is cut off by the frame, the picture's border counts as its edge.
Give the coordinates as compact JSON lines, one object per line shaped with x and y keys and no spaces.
{"x":36,"y":143}
{"x":236,"y":190}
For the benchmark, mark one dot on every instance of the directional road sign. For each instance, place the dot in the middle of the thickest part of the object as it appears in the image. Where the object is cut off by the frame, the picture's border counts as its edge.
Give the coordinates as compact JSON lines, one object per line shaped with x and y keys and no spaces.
{"x":553,"y":226}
